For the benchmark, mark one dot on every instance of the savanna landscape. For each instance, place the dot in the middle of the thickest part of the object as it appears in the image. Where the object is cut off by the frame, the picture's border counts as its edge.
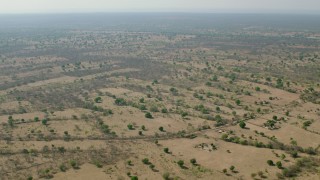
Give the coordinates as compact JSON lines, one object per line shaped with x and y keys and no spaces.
{"x":159,"y":96}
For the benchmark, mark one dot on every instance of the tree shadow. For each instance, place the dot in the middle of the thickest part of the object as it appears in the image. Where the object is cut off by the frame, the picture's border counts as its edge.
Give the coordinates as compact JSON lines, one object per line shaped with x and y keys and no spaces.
{"x":183,"y":167}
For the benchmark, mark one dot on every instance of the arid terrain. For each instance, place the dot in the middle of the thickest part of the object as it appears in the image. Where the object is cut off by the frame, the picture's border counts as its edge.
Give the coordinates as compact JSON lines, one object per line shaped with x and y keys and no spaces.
{"x":174,"y":96}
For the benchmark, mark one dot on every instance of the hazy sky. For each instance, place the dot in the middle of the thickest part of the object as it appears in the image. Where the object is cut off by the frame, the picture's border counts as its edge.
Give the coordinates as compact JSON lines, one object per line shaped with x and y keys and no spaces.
{"x":250,"y":6}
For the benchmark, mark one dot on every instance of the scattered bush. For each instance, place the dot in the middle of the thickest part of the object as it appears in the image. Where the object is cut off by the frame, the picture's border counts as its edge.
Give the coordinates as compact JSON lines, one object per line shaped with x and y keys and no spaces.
{"x":146,"y":161}
{"x":62,"y":168}
{"x":98,"y":100}
{"x":74,"y":164}
{"x":279,"y":164}
{"x":148,"y":115}
{"x":130,"y":127}
{"x":180,"y":163}
{"x":193,"y":161}
{"x":232,"y":168}
{"x":242,"y":124}
{"x":120,"y":102}
{"x":270,"y":163}
{"x":161,"y":129}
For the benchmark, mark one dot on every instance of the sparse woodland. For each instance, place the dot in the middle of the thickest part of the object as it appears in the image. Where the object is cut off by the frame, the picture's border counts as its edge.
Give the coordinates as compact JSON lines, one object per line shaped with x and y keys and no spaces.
{"x":157,"y":98}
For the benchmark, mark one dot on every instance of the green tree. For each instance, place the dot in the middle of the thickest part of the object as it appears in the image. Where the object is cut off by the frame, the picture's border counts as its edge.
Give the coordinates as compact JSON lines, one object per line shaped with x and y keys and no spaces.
{"x":238,"y":102}
{"x":279,"y":164}
{"x":143,"y":127}
{"x":145,"y":161}
{"x":193,"y":161}
{"x":130,"y":127}
{"x":151,"y":166}
{"x":270,"y":163}
{"x":120,"y":102}
{"x":232,"y":168}
{"x":184,"y":114}
{"x":62,"y":167}
{"x":287,"y":113}
{"x":224,"y":171}
{"x":36,"y":119}
{"x":242,"y":124}
{"x":166,"y":176}
{"x":164,"y":110}
{"x":10,"y":122}
{"x":214,"y":78}
{"x":180,"y":163}
{"x":141,"y":100}
{"x":74,"y":164}
{"x":294,"y":154}
{"x":98,"y":100}
{"x":44,"y":121}
{"x":161,"y":129}
{"x":148,"y":115}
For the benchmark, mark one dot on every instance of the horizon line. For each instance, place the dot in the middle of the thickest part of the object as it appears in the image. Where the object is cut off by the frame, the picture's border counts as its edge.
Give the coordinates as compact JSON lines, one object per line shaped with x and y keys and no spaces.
{"x":163,"y":12}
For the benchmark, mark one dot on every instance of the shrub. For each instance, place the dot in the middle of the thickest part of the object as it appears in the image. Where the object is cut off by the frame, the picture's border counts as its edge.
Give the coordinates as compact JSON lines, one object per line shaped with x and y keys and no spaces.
{"x":193,"y":161}
{"x":270,"y":163}
{"x":184,"y":114}
{"x":120,"y":102}
{"x":98,"y":164}
{"x":291,"y":171}
{"x":148,"y":115}
{"x":62,"y":168}
{"x":164,"y":110}
{"x":166,"y":150}
{"x":294,"y":154}
{"x":307,"y":123}
{"x":142,"y":107}
{"x":130,"y":127}
{"x":98,"y":100}
{"x":224,"y":171}
{"x":141,"y":100}
{"x":166,"y":176}
{"x":143,"y":127}
{"x":311,"y":151}
{"x":242,"y":124}
{"x":151,"y":166}
{"x":161,"y":129}
{"x":232,"y":168}
{"x":253,"y":175}
{"x":287,"y":113}
{"x":61,"y":149}
{"x":224,"y":136}
{"x":154,"y":109}
{"x":145,"y":161}
{"x":279,"y":164}
{"x":44,"y":121}
{"x":129,"y":162}
{"x":74,"y":164}
{"x":180,"y":163}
